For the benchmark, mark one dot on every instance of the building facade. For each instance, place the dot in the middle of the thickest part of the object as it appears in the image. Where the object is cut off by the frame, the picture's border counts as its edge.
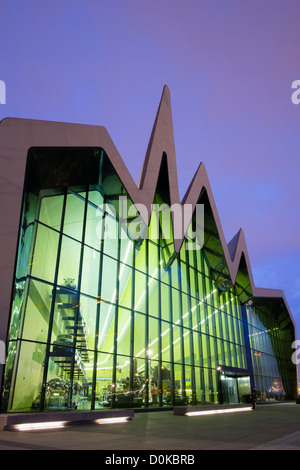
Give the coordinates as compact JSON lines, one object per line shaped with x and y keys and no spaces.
{"x":106,"y":311}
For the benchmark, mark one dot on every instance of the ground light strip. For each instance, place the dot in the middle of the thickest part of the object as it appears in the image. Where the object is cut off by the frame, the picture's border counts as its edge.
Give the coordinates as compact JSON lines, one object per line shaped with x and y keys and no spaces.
{"x":124,"y":419}
{"x":61,"y":424}
{"x":215,"y":412}
{"x":39,"y":426}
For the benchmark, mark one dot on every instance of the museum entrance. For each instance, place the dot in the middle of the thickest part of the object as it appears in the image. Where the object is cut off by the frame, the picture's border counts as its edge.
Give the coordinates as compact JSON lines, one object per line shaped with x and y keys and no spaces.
{"x":235,"y":387}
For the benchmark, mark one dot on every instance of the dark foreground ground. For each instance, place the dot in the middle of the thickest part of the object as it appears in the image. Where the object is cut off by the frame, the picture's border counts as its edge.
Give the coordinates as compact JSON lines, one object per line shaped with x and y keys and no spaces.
{"x":269,"y":427}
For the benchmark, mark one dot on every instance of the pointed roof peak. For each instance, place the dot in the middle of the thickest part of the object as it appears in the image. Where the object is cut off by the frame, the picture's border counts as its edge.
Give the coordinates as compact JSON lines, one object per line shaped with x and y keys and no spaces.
{"x":232,"y":245}
{"x":161,"y":141}
{"x":166,"y":89}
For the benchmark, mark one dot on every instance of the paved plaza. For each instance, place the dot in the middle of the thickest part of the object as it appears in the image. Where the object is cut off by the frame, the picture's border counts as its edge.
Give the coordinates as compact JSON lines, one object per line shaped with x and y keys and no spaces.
{"x":268,"y":427}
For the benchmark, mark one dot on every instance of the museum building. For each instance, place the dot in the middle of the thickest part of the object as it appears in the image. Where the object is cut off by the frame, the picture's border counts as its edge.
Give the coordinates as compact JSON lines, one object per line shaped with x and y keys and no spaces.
{"x":103,"y":311}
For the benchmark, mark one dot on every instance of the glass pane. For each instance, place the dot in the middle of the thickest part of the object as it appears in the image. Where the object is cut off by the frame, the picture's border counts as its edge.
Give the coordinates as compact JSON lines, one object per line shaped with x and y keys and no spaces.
{"x":139,"y":335}
{"x":93,"y":230}
{"x":125,"y":278}
{"x":107,"y":327}
{"x":51,"y":211}
{"x":165,"y":302}
{"x":166,"y":341}
{"x":38,"y":308}
{"x":124,"y":331}
{"x":109,"y":271}
{"x":69,"y":263}
{"x":104,"y":383}
{"x":90,"y":272}
{"x":73,"y":223}
{"x":28,"y":382}
{"x":45,"y":253}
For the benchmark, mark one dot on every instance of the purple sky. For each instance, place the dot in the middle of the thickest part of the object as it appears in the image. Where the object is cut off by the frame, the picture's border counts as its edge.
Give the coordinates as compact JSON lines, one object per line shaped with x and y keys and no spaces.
{"x":229,"y":65}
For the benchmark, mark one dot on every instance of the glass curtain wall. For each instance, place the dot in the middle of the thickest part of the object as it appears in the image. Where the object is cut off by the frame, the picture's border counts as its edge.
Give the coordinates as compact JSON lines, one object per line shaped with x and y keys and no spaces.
{"x":268,"y":351}
{"x":101,"y":319}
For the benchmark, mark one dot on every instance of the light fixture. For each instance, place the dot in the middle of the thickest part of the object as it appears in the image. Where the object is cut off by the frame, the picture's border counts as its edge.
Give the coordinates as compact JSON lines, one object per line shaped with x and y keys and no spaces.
{"x":215,"y":412}
{"x":39,"y":426}
{"x":119,"y":420}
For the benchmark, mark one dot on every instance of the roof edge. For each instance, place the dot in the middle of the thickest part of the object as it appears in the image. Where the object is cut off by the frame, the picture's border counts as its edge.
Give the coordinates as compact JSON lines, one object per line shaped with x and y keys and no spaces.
{"x":52,"y":133}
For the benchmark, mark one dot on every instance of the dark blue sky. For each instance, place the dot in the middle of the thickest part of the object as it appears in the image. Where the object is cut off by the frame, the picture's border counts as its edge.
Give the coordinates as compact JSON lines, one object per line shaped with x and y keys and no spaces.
{"x":229,"y":65}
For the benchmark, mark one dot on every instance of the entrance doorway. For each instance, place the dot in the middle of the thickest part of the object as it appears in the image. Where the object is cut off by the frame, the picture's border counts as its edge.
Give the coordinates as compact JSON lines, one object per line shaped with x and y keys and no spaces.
{"x":234,"y":388}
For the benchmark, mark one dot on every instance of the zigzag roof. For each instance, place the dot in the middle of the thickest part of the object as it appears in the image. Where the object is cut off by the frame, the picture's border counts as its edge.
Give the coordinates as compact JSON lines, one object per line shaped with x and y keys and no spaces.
{"x":162,"y":140}
{"x":18,"y":135}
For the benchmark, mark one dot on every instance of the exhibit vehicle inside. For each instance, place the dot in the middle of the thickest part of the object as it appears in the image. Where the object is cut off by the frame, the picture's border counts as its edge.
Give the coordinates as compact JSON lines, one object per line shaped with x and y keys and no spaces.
{"x":106,"y":315}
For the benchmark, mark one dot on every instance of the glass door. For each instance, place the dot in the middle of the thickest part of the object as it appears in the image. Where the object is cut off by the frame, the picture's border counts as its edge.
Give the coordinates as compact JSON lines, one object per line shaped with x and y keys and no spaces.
{"x":230,"y":390}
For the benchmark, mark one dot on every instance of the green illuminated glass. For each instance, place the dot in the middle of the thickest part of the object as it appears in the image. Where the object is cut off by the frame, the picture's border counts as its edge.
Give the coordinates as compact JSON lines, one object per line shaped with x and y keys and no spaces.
{"x":103,"y":321}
